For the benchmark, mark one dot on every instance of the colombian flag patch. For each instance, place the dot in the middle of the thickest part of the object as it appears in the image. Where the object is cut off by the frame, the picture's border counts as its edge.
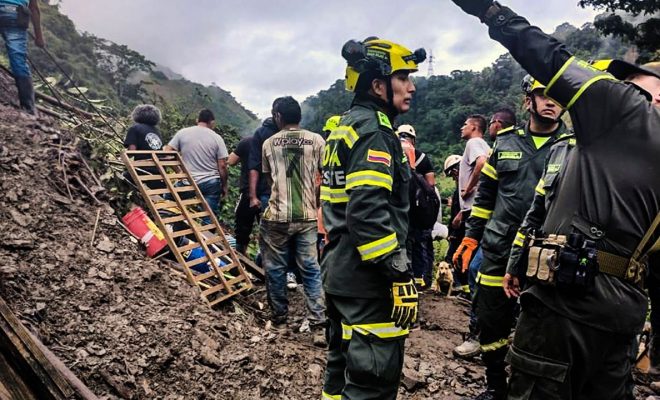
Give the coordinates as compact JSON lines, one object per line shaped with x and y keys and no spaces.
{"x":380,"y":157}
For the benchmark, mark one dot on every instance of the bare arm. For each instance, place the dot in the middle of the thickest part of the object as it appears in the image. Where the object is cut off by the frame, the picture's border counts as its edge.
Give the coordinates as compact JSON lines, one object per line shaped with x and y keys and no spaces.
{"x":36,"y":22}
{"x":474,"y":178}
{"x":222,"y":170}
{"x":254,"y":180}
{"x":233,"y":159}
{"x":430,"y":178}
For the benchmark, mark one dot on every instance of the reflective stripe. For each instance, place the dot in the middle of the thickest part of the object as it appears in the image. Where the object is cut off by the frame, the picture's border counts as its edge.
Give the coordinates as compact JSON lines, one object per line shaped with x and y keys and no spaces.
{"x":539,"y":187}
{"x":345,"y":133}
{"x":346,"y":331}
{"x":326,"y":396}
{"x":378,"y":247}
{"x":494,"y":346}
{"x":489,"y":171}
{"x":557,"y":75}
{"x":383,"y":330}
{"x":489,"y":280}
{"x":481,"y":212}
{"x":337,"y":195}
{"x":465,"y":288}
{"x":519,"y":240}
{"x":585,"y":86}
{"x":420,"y":282}
{"x":505,"y":130}
{"x":369,"y":177}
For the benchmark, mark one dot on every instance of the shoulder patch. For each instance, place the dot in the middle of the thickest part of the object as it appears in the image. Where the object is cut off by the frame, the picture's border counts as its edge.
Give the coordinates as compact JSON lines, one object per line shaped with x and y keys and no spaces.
{"x":384,"y":120}
{"x":379,"y":157}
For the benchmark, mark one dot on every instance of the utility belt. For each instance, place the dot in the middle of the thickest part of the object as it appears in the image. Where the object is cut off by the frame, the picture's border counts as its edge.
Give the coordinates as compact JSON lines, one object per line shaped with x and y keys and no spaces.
{"x":572,"y":262}
{"x":23,"y":15}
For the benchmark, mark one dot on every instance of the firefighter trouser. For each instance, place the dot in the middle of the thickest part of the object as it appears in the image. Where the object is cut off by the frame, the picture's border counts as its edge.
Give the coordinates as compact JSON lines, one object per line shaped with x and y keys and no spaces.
{"x":553,"y":357}
{"x":365,"y":350}
{"x":495,"y":313}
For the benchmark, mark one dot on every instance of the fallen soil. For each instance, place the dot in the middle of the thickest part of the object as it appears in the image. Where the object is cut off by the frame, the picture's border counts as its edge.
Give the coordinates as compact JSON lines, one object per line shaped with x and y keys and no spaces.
{"x":132,"y":328}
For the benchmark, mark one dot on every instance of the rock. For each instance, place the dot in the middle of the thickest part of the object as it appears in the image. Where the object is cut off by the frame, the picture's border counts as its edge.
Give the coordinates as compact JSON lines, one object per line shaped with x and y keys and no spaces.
{"x":20,"y":218}
{"x":106,"y":245}
{"x":314,"y":372}
{"x":460,"y":371}
{"x":461,"y":391}
{"x":411,"y":379}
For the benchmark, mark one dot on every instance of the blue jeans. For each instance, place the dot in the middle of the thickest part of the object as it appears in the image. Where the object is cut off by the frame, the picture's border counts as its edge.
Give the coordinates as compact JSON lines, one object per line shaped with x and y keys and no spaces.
{"x":277,"y":239}
{"x":15,"y":41}
{"x":475,"y":265}
{"x":422,"y":256}
{"x":212,"y":191}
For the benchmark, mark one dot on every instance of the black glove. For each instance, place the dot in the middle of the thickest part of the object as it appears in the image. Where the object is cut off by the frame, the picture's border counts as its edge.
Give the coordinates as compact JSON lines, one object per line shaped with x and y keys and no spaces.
{"x":474,"y":7}
{"x":397,"y":268}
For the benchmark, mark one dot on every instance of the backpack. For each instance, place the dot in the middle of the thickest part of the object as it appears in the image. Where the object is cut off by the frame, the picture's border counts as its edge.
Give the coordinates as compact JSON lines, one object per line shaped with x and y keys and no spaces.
{"x":424,"y":203}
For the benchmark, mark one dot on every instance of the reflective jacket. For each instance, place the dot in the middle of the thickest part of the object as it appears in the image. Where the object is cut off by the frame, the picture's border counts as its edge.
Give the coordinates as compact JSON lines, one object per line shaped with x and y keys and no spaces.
{"x":506,"y":190}
{"x":610,"y":189}
{"x":546,"y":190}
{"x":365,"y":203}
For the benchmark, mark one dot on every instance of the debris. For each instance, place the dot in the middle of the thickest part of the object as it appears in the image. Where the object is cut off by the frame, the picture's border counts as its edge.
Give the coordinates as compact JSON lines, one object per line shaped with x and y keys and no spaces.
{"x":106,"y":245}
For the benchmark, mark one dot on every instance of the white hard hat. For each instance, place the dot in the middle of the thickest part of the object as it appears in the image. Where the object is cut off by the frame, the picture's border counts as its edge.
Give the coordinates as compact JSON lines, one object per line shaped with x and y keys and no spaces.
{"x":407,"y":129}
{"x":451,"y":161}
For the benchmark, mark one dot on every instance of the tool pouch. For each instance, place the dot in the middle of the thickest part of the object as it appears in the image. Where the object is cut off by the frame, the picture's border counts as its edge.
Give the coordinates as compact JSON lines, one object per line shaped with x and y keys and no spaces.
{"x":543,"y":259}
{"x":23,"y":15}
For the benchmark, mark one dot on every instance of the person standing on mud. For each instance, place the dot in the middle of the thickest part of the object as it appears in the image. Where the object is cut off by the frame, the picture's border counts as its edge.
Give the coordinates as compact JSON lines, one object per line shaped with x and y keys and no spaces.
{"x":370,"y":293}
{"x":15,"y":17}
{"x":577,"y":328}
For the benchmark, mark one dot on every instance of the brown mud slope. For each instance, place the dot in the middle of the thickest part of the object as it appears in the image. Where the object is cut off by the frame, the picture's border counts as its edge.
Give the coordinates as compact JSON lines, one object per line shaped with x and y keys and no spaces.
{"x":131,"y":328}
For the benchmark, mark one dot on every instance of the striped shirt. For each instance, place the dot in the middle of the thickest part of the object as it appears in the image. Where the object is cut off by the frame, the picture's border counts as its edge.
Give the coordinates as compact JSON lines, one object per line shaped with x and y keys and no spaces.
{"x":293,"y":160}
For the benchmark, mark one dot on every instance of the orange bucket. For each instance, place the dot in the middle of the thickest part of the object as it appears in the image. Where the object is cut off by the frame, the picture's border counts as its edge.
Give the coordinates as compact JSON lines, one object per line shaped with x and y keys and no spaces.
{"x":140,"y":225}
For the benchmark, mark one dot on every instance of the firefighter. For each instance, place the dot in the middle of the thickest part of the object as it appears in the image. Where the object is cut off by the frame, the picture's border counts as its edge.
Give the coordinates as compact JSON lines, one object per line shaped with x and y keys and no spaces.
{"x":506,"y":190}
{"x":371,"y":297}
{"x":576,"y":332}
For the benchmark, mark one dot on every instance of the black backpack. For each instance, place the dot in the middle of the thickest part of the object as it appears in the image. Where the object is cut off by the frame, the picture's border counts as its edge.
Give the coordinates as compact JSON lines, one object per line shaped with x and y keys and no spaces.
{"x":424,"y":203}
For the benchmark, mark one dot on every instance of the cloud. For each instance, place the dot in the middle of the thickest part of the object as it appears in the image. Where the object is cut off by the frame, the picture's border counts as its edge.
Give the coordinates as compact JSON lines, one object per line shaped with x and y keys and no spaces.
{"x":260,"y":50}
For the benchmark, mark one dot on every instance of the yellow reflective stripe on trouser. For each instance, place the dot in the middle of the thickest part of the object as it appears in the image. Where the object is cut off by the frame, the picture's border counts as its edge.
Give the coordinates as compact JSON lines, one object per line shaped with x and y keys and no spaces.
{"x":489,"y":171}
{"x":489,"y":280}
{"x":539,"y":187}
{"x":345,"y":133}
{"x":519,"y":240}
{"x":383,"y":330}
{"x":337,"y":195}
{"x":378,"y":247}
{"x":465,"y":288}
{"x":326,"y":396}
{"x":494,"y":346}
{"x":346,"y":331}
{"x":481,"y":212}
{"x":369,"y":177}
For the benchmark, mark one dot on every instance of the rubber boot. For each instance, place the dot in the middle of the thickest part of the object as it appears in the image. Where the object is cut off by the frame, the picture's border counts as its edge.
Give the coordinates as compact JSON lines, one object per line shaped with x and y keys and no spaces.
{"x":495,"y":373}
{"x":26,"y":93}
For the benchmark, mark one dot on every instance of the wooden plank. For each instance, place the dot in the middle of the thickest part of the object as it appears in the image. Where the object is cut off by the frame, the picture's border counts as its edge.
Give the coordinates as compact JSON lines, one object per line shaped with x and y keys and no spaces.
{"x":200,"y":214}
{"x":165,"y":204}
{"x":190,"y":202}
{"x":157,"y":192}
{"x":196,"y":261}
{"x":250,"y":265}
{"x":12,"y":386}
{"x":182,"y":232}
{"x":223,"y":298}
{"x":188,"y":247}
{"x":170,"y":220}
{"x":205,"y":276}
{"x":176,"y":175}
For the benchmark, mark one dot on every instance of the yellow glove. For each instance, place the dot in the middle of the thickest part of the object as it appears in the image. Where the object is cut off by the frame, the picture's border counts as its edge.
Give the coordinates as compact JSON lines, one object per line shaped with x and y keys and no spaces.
{"x":465,"y":251}
{"x":405,"y":300}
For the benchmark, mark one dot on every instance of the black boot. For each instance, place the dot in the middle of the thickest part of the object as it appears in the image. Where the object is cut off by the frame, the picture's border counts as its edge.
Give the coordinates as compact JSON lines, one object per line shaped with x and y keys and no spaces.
{"x":26,"y":93}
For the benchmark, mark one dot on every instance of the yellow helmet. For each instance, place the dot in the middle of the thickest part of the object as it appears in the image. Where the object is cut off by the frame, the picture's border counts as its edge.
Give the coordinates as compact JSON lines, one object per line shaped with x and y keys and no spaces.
{"x":375,"y":58}
{"x":529,"y":84}
{"x":332,"y":123}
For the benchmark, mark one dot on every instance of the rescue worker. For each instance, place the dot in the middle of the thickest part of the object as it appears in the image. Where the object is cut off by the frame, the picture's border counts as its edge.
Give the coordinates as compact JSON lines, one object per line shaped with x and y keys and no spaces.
{"x":370,"y":295}
{"x":506,"y":190}
{"x":575,"y":337}
{"x":330,"y":125}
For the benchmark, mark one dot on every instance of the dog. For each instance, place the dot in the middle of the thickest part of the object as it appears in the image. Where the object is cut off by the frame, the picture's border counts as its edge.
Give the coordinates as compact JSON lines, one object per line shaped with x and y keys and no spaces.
{"x":444,"y":278}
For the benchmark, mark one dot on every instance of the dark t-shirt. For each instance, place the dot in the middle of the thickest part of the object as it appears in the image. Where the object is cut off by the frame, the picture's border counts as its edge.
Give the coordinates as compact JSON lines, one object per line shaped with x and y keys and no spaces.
{"x":144,"y":137}
{"x":243,"y":152}
{"x":267,"y":130}
{"x":423,"y":163}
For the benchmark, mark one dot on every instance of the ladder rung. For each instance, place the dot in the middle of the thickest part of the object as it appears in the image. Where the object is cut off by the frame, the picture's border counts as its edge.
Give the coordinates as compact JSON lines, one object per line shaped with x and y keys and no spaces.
{"x":196,"y":261}
{"x":219,"y":254}
{"x":157,"y":192}
{"x":182,"y":232}
{"x":165,"y":204}
{"x":200,"y":214}
{"x":176,"y":218}
{"x":186,"y":188}
{"x":188,"y":247}
{"x":191,"y":202}
{"x":145,"y":178}
{"x":206,"y":275}
{"x":143,"y":163}
{"x":225,"y":297}
{"x":176,"y":176}
{"x":212,"y":240}
{"x":207,"y":228}
{"x":213,"y":289}
{"x":169,"y":163}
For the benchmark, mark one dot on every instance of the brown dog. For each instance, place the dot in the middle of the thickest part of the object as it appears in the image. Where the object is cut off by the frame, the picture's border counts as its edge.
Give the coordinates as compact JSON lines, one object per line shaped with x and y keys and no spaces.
{"x":444,"y":278}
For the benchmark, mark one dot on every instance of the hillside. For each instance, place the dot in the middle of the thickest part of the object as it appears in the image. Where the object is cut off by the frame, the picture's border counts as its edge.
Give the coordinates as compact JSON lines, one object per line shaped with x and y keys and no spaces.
{"x":442,"y":102}
{"x":117,"y":78}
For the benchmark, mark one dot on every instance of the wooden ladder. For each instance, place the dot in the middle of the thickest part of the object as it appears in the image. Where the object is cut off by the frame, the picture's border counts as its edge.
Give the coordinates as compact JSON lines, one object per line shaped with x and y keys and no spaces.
{"x":177,"y":217}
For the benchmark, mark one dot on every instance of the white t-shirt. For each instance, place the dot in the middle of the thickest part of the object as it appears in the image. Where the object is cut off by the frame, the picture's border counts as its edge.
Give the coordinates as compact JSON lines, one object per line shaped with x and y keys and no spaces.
{"x":200,"y":149}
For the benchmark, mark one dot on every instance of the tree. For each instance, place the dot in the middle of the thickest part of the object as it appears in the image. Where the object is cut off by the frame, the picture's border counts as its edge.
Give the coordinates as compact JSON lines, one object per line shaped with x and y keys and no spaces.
{"x":639,"y":25}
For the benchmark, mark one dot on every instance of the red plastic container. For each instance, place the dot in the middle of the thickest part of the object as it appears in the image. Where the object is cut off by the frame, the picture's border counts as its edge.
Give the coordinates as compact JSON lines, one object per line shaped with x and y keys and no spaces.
{"x":140,"y":225}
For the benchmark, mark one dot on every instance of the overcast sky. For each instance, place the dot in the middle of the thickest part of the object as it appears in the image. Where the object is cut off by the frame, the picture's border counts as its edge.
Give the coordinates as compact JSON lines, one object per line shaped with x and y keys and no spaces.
{"x":260,"y":50}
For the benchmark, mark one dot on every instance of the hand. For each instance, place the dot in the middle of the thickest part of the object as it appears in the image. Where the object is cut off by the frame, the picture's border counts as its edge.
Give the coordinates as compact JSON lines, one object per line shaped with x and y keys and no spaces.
{"x":467,"y":193}
{"x":224,"y":191}
{"x":465,"y":251}
{"x":39,"y":41}
{"x":404,"y":303}
{"x":255,"y":202}
{"x":474,"y":7}
{"x":511,"y":285}
{"x":456,"y":222}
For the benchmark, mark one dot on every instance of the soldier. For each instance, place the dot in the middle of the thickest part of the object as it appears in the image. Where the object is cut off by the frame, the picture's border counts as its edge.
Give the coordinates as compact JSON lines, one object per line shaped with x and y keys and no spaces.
{"x":370,"y":295}
{"x":577,"y":329}
{"x":506,"y":190}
